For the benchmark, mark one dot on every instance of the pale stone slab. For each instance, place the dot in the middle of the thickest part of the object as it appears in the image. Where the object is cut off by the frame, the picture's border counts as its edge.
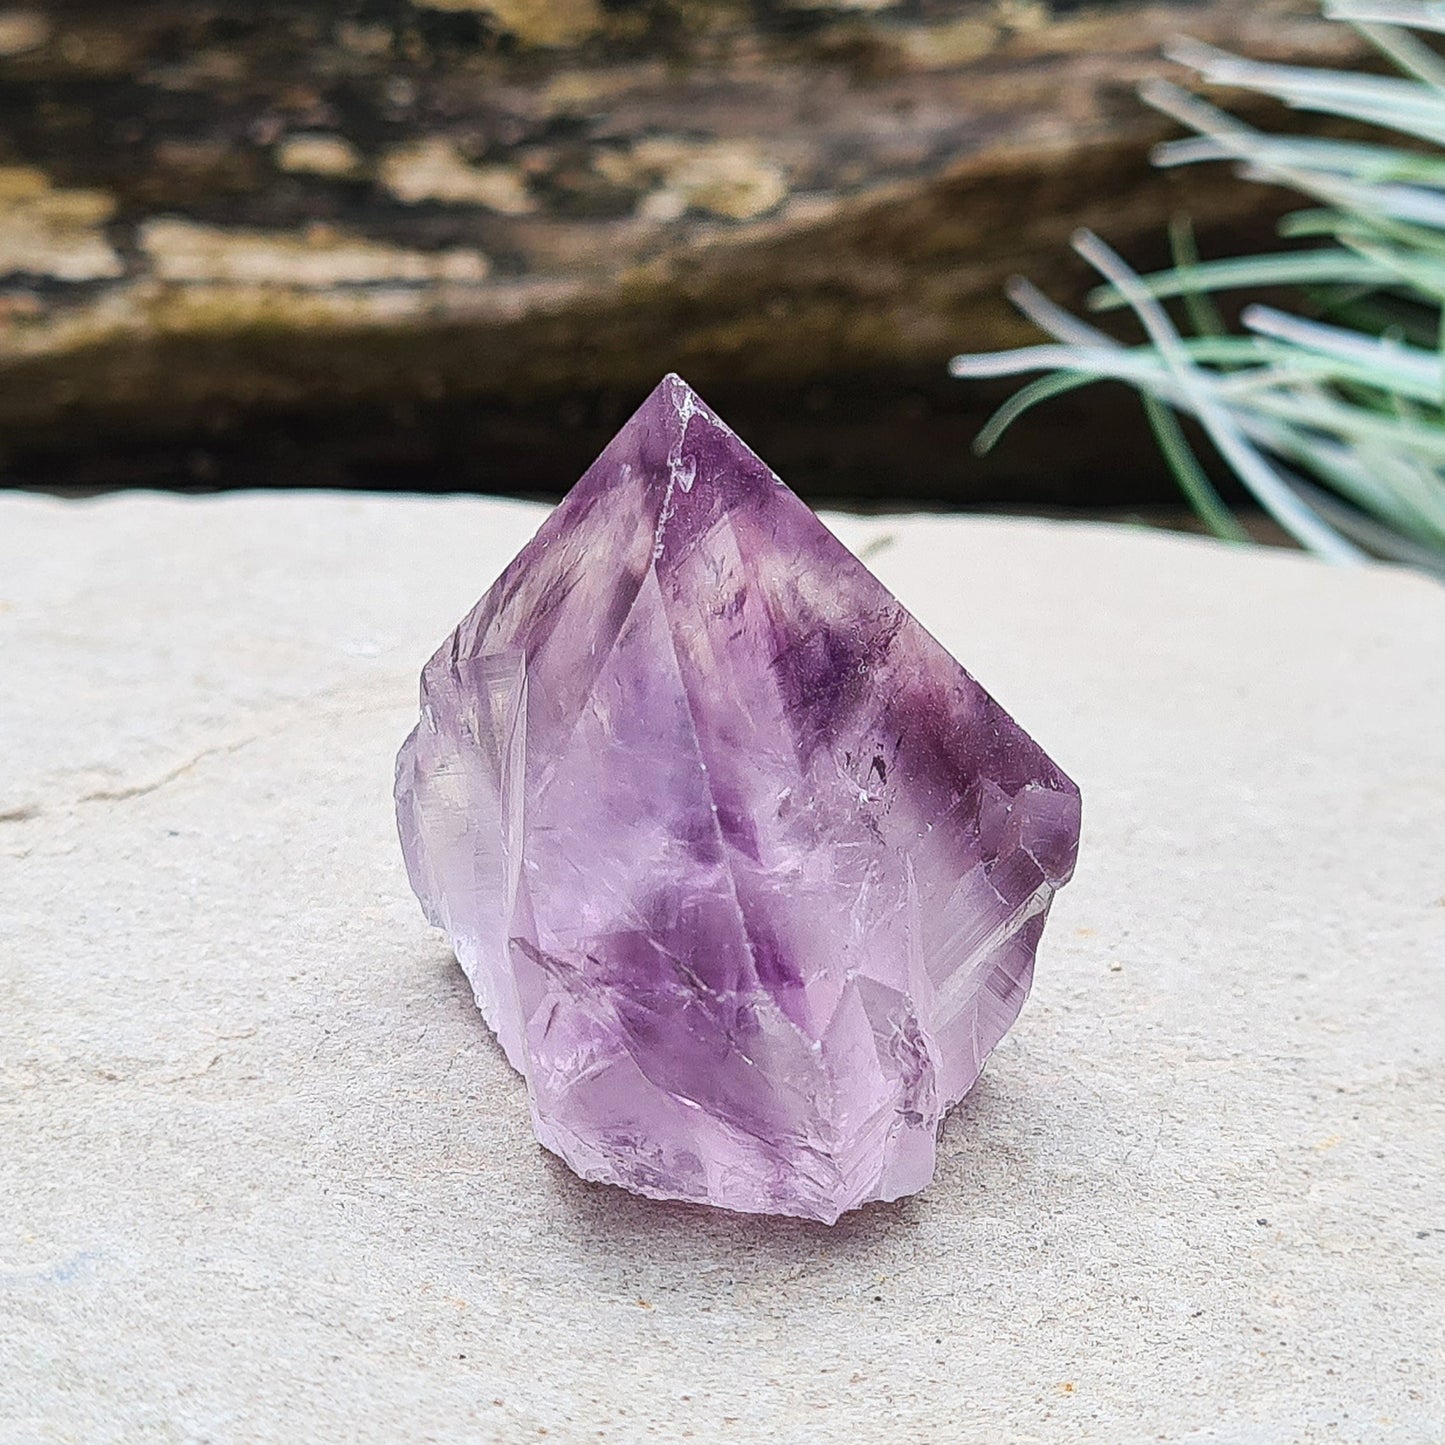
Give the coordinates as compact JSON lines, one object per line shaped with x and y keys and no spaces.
{"x":264,"y":1174}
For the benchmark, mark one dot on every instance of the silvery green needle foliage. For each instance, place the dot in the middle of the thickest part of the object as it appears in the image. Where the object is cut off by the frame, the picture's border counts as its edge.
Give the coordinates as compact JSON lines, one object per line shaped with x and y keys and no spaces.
{"x":1334,"y":420}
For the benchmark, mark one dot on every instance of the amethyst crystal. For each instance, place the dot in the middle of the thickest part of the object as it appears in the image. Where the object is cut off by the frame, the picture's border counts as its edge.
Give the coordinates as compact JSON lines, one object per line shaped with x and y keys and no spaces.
{"x":746,"y":871}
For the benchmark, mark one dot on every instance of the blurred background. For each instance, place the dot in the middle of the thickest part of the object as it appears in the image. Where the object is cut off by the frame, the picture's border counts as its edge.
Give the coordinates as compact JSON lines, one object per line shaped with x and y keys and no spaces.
{"x":449,"y":244}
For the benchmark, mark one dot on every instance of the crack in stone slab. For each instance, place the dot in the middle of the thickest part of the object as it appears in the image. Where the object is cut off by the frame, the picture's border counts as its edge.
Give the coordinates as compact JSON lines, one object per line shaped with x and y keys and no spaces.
{"x":289,"y":717}
{"x":139,"y":790}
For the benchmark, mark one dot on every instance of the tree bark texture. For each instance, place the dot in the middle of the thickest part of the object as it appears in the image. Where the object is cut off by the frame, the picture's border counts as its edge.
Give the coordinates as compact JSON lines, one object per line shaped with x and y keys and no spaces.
{"x":390,"y":242}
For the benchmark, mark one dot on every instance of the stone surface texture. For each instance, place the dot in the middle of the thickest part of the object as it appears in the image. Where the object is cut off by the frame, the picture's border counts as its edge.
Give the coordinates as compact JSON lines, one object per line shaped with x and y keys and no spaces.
{"x":263,"y":1176}
{"x":746,"y":871}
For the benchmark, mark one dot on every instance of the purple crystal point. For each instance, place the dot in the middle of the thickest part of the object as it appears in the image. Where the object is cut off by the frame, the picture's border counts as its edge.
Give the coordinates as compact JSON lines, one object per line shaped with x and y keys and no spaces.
{"x":746,"y":871}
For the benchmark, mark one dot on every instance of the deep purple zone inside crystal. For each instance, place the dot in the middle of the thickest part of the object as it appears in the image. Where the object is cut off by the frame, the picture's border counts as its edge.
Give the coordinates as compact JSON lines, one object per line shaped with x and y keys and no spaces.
{"x":746,"y":871}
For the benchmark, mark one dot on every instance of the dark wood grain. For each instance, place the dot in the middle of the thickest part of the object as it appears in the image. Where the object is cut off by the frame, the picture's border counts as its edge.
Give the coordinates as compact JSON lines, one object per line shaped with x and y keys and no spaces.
{"x":401,"y":244}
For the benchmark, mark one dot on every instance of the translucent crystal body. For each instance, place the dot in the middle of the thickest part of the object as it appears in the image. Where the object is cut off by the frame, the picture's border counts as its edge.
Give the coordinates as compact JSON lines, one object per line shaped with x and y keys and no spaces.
{"x":746,"y":871}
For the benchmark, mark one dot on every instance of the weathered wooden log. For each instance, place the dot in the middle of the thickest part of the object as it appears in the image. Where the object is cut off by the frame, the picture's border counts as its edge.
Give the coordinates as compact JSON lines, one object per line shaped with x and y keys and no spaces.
{"x":295,"y":241}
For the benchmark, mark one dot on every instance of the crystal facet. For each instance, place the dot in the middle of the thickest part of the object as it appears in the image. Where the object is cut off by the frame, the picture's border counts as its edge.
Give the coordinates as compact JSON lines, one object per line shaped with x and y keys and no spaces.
{"x":747,"y":873}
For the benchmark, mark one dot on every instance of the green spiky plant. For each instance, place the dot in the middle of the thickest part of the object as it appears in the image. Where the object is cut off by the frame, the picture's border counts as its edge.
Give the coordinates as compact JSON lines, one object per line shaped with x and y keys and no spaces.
{"x":1333,"y":420}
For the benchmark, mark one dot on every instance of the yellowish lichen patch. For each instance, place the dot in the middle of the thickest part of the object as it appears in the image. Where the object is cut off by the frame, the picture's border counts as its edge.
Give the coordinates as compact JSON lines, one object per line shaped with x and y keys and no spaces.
{"x":182,"y":251}
{"x":580,"y":91}
{"x":54,"y":233}
{"x":734,"y":179}
{"x":318,"y":155}
{"x":1024,"y":16}
{"x":533,"y":22}
{"x":931,"y":47}
{"x":842,"y":4}
{"x":22,"y":31}
{"x":434,"y":170}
